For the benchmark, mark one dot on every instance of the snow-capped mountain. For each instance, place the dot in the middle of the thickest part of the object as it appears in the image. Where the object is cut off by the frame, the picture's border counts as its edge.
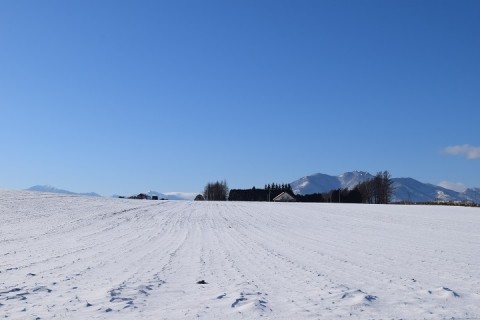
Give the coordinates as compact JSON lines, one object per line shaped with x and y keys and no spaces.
{"x":411,"y":190}
{"x":472,"y":194}
{"x":405,"y":189}
{"x":350,"y":180}
{"x":319,"y":182}
{"x":51,"y":189}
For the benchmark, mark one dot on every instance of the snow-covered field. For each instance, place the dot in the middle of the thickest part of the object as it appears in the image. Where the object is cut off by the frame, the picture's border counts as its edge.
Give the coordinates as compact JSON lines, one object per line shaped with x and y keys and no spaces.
{"x":70,"y":257}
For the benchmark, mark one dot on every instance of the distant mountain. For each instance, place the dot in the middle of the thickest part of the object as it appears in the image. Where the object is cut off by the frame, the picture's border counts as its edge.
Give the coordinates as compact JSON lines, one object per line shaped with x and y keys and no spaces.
{"x":405,"y":189}
{"x":319,"y":182}
{"x":181,"y":195}
{"x":173,"y":195}
{"x":472,"y":194}
{"x":411,"y":190}
{"x":51,"y":189}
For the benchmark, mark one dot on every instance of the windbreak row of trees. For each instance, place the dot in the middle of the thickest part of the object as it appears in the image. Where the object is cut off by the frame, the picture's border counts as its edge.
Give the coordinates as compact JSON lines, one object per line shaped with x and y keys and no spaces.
{"x":254,"y":194}
{"x":378,"y":190}
{"x":344,"y":196}
{"x":282,"y":187}
{"x":313,"y":197}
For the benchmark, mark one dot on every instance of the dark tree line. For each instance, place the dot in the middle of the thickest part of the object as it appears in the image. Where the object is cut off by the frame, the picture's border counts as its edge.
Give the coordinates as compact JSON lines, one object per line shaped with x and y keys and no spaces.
{"x":254,"y":194}
{"x":216,"y":191}
{"x":344,"y":196}
{"x":377,"y":190}
{"x":284,"y":187}
{"x":313,"y":197}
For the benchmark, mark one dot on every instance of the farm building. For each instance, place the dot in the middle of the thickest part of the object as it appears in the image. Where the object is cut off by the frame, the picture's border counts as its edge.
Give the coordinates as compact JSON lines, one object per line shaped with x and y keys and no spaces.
{"x":284,"y":197}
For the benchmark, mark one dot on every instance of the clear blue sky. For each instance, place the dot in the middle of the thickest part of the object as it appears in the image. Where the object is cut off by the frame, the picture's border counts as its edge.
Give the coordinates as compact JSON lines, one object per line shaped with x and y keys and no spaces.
{"x":120,"y":97}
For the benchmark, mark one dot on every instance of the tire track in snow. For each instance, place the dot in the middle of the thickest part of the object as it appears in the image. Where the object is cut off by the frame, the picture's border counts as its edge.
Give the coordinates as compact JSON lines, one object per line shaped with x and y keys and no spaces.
{"x":123,"y":259}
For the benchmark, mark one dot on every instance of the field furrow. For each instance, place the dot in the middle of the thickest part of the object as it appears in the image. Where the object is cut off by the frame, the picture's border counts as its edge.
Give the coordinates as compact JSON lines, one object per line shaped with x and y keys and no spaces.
{"x":80,"y":257}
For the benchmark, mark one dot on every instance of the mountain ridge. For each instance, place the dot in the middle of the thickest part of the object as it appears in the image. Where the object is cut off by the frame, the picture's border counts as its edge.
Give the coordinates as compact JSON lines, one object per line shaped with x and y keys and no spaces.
{"x":405,"y":189}
{"x":52,"y":189}
{"x":166,"y":195}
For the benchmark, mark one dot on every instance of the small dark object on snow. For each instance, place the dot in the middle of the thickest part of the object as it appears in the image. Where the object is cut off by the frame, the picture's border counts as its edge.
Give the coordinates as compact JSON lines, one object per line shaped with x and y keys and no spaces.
{"x":201,"y":282}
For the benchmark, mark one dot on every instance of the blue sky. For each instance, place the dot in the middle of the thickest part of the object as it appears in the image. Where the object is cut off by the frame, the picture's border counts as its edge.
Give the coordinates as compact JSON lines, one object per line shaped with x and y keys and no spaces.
{"x":120,"y":97}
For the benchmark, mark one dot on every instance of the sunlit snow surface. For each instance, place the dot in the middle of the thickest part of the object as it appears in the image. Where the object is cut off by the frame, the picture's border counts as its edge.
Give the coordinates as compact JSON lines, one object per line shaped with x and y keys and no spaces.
{"x":70,"y":257}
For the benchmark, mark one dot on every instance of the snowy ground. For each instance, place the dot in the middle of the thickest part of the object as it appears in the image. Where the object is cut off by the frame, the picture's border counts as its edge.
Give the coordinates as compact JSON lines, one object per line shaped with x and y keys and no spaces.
{"x":69,"y":257}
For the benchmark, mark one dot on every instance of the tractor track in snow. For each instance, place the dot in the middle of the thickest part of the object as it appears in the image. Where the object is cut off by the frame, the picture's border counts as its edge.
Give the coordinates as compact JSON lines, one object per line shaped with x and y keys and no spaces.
{"x":80,"y":257}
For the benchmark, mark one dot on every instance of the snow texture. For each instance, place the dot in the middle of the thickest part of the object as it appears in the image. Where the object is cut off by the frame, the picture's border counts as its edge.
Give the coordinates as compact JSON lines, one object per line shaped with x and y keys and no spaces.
{"x":72,"y":257}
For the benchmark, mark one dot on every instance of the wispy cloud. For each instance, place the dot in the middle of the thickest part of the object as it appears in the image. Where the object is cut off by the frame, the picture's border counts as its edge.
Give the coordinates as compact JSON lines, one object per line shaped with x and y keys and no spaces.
{"x":465,"y":150}
{"x":455,"y":186}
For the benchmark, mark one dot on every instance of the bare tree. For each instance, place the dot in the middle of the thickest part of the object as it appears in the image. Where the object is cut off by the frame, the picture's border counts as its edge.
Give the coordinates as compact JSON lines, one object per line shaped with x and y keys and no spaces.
{"x":377,"y":190}
{"x":387,"y":187}
{"x":367,"y":191}
{"x":216,"y":191}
